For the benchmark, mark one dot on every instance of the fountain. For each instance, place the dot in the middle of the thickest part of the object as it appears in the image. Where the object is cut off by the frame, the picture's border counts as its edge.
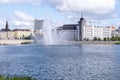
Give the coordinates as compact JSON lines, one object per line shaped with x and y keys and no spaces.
{"x":44,"y":33}
{"x":48,"y":38}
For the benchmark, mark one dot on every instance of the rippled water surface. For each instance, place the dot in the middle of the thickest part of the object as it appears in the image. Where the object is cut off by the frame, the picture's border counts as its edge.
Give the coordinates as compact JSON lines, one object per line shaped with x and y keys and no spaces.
{"x":83,"y":62}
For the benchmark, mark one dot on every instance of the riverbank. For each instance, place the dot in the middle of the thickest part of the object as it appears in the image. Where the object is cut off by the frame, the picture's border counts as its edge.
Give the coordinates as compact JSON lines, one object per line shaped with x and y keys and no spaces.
{"x":87,"y":42}
{"x":97,"y":42}
{"x":3,"y":42}
{"x":14,"y":42}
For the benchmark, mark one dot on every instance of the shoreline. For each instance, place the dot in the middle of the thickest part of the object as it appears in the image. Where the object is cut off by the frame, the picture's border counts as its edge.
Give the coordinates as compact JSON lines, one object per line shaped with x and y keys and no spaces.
{"x":15,"y":42}
{"x":97,"y":42}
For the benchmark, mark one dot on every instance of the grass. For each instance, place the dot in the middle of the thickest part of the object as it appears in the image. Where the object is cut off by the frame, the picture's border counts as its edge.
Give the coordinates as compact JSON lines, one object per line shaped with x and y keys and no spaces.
{"x":15,"y":78}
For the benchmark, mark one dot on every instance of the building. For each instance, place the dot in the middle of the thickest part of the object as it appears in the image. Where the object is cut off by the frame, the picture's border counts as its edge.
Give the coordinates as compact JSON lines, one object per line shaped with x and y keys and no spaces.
{"x":68,"y":32}
{"x":38,"y":26}
{"x":116,"y":32}
{"x":90,"y":32}
{"x":81,"y":26}
{"x":6,"y":27}
{"x":22,"y":33}
{"x":82,"y":31}
{"x":6,"y":35}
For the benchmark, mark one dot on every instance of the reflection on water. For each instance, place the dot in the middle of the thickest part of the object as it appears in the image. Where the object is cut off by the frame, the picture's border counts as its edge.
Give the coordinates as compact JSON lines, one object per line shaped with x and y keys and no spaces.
{"x":84,"y":62}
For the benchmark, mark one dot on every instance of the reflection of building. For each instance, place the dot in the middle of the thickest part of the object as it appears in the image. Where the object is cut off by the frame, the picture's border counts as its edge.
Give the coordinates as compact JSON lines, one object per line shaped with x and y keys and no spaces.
{"x":82,"y":31}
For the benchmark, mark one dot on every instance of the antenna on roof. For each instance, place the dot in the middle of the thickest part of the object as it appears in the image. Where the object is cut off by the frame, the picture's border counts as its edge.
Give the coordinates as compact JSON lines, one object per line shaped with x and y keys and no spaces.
{"x":81,"y":15}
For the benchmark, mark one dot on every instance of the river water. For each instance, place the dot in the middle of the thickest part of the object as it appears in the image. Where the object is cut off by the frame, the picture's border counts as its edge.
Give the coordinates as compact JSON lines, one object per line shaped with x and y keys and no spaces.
{"x":69,"y":62}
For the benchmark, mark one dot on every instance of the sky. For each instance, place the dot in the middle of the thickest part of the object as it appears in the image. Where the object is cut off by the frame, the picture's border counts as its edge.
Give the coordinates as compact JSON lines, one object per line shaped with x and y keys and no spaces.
{"x":21,"y":13}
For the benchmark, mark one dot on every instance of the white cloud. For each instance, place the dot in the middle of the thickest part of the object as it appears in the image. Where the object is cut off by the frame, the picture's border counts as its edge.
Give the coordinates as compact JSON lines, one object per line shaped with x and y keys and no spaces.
{"x":22,"y":20}
{"x":94,"y":9}
{"x":22,"y":16}
{"x":21,"y":24}
{"x":21,"y":1}
{"x":2,"y":23}
{"x":87,"y":6}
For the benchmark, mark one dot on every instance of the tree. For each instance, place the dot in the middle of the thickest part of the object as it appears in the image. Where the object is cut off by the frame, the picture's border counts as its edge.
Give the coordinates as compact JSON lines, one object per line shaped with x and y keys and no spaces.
{"x":99,"y":39}
{"x":95,"y":39}
{"x":118,"y":38}
{"x":112,"y":38}
{"x":105,"y":39}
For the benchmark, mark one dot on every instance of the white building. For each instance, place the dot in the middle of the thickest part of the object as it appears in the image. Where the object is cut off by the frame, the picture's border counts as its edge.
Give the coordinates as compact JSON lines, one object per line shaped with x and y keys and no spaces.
{"x":91,"y":32}
{"x":6,"y":35}
{"x":81,"y":31}
{"x":67,"y":32}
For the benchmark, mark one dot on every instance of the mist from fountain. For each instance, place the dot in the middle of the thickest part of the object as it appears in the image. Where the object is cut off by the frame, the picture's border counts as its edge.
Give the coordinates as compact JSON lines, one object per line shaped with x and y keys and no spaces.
{"x":48,"y":37}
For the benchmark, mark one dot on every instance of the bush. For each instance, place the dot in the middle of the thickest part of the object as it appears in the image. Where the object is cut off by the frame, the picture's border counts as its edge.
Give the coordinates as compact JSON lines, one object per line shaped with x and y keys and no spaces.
{"x":26,"y":43}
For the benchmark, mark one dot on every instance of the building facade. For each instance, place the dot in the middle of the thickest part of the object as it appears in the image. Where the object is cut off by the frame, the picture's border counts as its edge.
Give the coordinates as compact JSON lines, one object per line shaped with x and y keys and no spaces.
{"x":90,"y":32}
{"x":15,"y":34}
{"x":68,"y":32}
{"x":21,"y":34}
{"x":38,"y":24}
{"x":6,"y":35}
{"x":82,"y":31}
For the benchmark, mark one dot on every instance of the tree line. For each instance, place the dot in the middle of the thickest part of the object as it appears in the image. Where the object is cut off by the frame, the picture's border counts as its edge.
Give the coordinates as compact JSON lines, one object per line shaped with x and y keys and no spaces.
{"x":113,"y":38}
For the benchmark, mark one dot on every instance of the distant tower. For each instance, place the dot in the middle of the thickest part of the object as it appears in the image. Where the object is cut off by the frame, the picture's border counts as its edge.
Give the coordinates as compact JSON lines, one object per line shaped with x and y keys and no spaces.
{"x":6,"y":26}
{"x":81,"y":24}
{"x":38,"y":24}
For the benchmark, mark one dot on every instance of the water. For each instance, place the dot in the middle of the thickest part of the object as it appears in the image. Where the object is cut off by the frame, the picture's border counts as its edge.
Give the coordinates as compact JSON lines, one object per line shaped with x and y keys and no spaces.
{"x":83,"y":62}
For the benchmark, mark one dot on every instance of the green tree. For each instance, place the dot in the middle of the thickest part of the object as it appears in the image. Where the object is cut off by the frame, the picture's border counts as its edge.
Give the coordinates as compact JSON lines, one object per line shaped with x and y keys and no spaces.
{"x":95,"y":39}
{"x":118,"y":38}
{"x":112,"y":38}
{"x":99,"y":39}
{"x":105,"y":39}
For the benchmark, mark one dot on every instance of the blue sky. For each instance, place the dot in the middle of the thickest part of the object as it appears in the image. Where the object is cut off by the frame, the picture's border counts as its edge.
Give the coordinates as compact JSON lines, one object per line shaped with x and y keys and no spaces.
{"x":21,"y":13}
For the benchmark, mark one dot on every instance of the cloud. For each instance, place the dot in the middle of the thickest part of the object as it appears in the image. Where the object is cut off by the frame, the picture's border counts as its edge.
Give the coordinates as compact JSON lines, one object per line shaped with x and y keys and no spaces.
{"x":22,"y":1}
{"x":77,"y":6}
{"x":22,"y":16}
{"x":2,"y":23}
{"x":21,"y":24}
{"x":87,"y":6}
{"x":22,"y":20}
{"x":92,"y":9}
